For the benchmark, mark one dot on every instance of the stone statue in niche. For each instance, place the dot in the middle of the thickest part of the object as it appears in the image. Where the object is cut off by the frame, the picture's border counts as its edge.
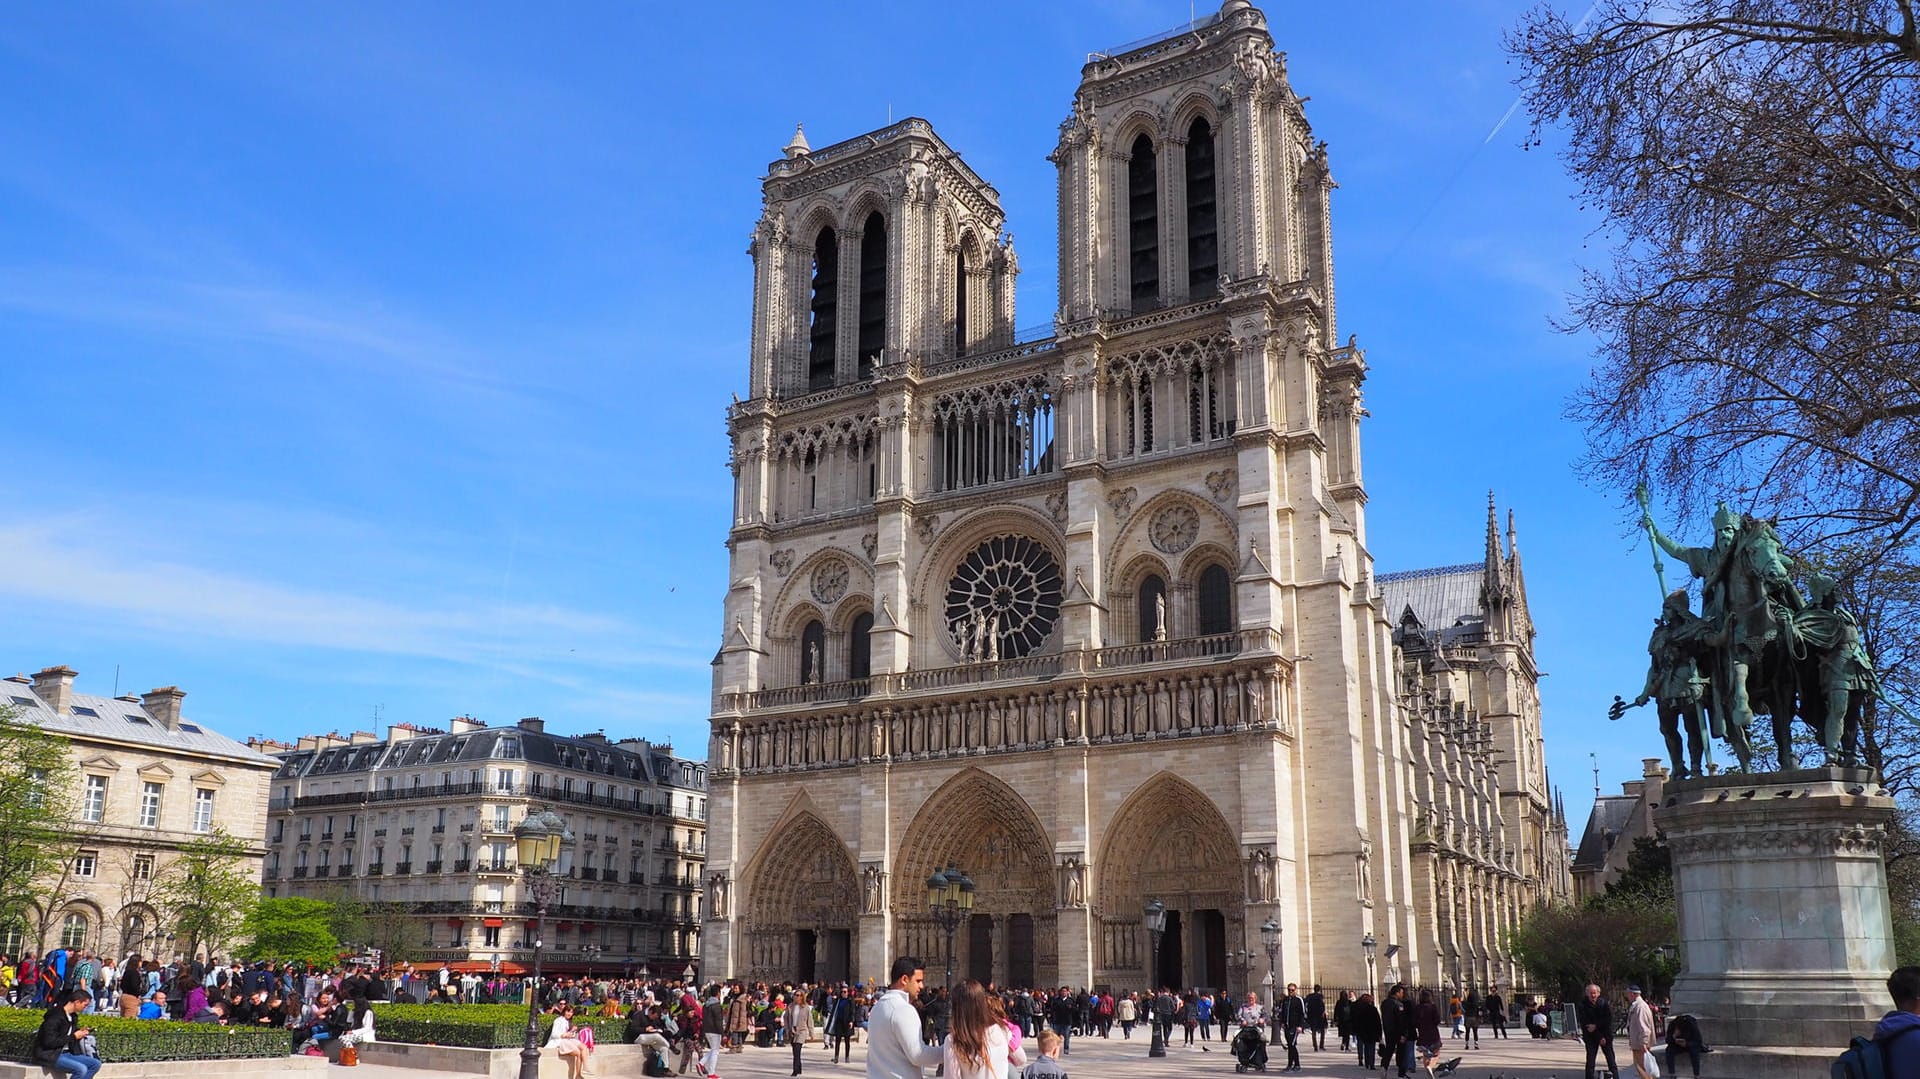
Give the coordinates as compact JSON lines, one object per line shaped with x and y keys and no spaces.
{"x":1260,"y":864}
{"x":1160,"y":617}
{"x":1073,"y":881}
{"x":874,"y":892}
{"x":717,"y":895}
{"x":1256,"y":704}
{"x":815,"y":663}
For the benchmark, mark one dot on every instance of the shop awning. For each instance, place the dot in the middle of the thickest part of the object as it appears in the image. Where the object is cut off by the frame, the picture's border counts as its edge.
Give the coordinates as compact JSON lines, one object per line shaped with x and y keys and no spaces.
{"x":490,"y":923}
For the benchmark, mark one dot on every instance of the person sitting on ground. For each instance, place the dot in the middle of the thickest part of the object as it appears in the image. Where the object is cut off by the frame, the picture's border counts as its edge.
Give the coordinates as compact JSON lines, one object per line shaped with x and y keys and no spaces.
{"x":57,"y":1044}
{"x":154,"y":1007}
{"x":214,"y":1012}
{"x":1047,"y":1064}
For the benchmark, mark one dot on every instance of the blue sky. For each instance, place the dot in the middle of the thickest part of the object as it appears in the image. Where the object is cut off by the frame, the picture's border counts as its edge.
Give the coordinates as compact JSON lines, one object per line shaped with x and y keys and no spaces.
{"x":374,"y":356}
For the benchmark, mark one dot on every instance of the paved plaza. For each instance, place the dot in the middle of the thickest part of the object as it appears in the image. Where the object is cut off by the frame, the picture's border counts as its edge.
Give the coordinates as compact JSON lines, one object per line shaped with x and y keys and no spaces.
{"x":1118,"y":1058}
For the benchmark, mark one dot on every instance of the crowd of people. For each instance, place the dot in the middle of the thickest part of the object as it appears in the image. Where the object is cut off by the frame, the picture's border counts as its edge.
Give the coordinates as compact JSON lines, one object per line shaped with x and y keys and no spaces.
{"x":974,"y":1030}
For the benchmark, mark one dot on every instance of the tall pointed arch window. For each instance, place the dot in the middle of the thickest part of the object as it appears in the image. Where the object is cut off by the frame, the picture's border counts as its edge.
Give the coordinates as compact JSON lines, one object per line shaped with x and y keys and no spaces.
{"x":1153,"y":610}
{"x":813,"y":653}
{"x":960,"y":302}
{"x":860,"y":646}
{"x":822,"y":310}
{"x":1203,"y":219}
{"x":873,"y":292}
{"x":1214,"y":597}
{"x":1143,"y":225}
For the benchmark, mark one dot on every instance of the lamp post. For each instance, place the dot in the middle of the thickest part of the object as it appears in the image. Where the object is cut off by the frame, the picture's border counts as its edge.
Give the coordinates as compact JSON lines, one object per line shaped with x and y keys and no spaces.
{"x":1270,"y":936}
{"x":1241,"y":961}
{"x":593,"y":952}
{"x":1156,"y":919}
{"x":538,"y":841}
{"x":1368,"y":944}
{"x":646,"y":975}
{"x":949,"y":898}
{"x":688,"y":975}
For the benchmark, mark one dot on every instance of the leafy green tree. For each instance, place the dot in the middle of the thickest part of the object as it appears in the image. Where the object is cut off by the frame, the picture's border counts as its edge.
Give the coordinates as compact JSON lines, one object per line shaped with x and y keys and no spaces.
{"x":38,"y":776}
{"x":1625,"y":934}
{"x":391,"y":928}
{"x":291,"y":930}
{"x":207,"y":891}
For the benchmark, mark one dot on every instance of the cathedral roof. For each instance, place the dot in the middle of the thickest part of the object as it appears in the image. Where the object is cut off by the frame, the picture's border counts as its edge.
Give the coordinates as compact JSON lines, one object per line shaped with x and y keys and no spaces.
{"x":1609,"y":816}
{"x":1441,"y":597}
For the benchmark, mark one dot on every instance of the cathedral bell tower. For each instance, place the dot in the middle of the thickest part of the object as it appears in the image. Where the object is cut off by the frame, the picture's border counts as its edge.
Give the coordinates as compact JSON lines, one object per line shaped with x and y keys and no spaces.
{"x":872,"y":258}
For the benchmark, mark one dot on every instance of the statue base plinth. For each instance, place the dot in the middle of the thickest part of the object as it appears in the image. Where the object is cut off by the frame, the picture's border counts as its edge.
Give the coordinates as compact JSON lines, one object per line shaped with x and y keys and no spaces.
{"x":1785,"y":927}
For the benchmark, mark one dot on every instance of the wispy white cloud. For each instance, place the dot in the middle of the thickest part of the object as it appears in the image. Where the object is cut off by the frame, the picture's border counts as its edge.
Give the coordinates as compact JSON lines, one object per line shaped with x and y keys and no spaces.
{"x":55,"y":568}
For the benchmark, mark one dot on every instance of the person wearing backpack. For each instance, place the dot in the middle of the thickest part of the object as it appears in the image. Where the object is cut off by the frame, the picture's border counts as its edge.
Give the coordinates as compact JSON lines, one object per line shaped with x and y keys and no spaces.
{"x":1892,"y":1052}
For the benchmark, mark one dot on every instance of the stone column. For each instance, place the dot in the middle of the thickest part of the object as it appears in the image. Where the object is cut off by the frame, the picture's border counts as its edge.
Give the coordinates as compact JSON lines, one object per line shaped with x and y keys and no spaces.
{"x":1785,"y":929}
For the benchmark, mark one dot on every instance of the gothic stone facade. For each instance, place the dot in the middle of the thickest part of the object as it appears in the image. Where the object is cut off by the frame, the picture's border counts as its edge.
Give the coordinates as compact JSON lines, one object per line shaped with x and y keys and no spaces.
{"x":1090,"y":617}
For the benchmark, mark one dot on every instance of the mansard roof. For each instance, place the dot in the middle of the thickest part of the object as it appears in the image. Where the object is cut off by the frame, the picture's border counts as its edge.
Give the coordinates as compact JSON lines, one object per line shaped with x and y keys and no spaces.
{"x":118,"y":719}
{"x":591,"y":753}
{"x":1441,"y":597}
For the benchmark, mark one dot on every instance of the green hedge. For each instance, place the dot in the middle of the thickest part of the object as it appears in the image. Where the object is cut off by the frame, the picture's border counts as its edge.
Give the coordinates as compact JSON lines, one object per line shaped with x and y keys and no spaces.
{"x":475,"y":1026}
{"x":124,"y":1041}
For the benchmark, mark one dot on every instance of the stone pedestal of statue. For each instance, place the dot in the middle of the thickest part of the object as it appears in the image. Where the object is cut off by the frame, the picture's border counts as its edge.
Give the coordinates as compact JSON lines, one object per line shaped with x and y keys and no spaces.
{"x":1785,"y":928}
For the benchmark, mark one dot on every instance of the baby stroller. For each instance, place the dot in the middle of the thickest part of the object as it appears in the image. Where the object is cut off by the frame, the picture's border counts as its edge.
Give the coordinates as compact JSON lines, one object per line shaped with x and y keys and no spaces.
{"x":1249,"y":1050}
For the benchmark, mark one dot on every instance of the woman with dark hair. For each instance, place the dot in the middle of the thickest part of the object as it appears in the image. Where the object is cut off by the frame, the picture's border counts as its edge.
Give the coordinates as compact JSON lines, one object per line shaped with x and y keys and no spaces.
{"x":1426,"y":1031}
{"x":979,"y":1045}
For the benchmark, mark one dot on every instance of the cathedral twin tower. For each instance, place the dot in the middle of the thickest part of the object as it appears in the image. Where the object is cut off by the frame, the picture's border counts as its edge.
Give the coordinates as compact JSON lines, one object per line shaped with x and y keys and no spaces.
{"x":1092,"y":617}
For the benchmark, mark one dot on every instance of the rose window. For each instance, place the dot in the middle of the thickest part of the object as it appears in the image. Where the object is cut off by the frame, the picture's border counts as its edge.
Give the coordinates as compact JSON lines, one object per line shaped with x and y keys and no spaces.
{"x":1004,"y":599}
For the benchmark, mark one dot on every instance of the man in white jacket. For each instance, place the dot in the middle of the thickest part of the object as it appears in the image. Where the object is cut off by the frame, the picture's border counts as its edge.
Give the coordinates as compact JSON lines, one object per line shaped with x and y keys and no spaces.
{"x":894,"y":1049}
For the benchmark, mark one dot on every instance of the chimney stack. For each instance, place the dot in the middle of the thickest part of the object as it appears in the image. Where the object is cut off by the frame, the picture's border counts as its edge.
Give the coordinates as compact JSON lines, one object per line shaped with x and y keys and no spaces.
{"x":466,"y":725}
{"x":534,"y":724}
{"x":163,"y":705}
{"x":54,"y":686}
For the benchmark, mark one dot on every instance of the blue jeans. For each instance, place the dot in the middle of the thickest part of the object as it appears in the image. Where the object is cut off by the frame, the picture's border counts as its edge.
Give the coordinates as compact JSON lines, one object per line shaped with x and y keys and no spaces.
{"x":1065,"y":1030}
{"x":77,"y":1066}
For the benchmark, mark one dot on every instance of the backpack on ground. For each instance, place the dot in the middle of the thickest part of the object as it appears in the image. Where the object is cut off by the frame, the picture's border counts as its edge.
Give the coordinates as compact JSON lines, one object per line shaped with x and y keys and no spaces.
{"x":1865,"y":1058}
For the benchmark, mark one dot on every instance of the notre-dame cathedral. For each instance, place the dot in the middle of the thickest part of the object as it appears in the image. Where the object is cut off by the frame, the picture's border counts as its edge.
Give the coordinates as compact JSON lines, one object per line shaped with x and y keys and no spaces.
{"x":1092,"y":617}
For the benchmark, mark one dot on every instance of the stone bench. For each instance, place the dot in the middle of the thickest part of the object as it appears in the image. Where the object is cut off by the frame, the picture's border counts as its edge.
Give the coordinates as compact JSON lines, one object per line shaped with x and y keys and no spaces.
{"x":257,"y":1068}
{"x":608,"y":1059}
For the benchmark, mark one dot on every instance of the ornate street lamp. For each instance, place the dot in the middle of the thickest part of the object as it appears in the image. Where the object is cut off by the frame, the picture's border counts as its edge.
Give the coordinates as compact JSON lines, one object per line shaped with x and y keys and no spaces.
{"x":687,"y":975}
{"x":646,"y":975}
{"x":1241,"y":962}
{"x":1368,"y":944}
{"x":1156,"y":919}
{"x":593,"y":952}
{"x":538,"y":840}
{"x":949,"y":898}
{"x":1270,"y":936}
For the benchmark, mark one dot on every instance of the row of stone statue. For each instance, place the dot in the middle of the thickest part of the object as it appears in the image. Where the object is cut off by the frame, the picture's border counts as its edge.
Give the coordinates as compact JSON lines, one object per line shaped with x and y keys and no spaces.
{"x":1759,"y":646}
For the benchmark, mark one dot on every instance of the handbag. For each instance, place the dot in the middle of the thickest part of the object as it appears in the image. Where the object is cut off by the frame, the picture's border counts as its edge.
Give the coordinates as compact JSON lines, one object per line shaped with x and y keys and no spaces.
{"x":350,"y":1055}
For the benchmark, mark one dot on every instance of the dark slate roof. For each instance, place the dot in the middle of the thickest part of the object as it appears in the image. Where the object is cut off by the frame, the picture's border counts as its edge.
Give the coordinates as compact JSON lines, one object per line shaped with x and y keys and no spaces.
{"x":121,"y":720}
{"x":440,"y":749}
{"x":1441,"y":597}
{"x":1603,"y":827}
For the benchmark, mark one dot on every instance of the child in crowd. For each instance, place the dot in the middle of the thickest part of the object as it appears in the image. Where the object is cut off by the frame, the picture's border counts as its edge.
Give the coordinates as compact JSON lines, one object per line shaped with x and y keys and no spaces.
{"x":1047,"y":1064}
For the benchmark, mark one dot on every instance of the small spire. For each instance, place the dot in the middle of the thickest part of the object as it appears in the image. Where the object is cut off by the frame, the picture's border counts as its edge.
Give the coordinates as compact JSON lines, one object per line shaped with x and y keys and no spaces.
{"x":798,"y":145}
